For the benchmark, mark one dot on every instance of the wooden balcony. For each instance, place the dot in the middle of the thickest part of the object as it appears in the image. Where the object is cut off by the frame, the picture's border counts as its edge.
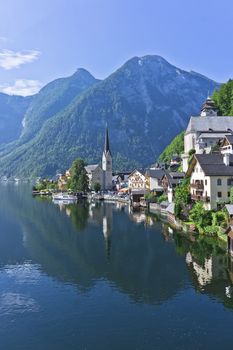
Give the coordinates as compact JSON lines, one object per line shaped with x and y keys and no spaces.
{"x":197,"y":185}
{"x":200,"y":198}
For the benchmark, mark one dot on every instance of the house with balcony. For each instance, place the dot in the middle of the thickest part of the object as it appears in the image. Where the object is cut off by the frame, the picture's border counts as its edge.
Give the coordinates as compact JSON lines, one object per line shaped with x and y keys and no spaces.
{"x":137,"y":180}
{"x":211,"y":178}
{"x":205,"y":131}
{"x":227,"y":145}
{"x":153,"y":178}
{"x":169,"y":182}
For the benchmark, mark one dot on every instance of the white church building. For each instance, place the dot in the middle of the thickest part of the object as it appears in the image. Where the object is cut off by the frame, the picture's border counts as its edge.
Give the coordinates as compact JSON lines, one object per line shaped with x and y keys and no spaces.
{"x":102,"y":174}
{"x":205,"y":131}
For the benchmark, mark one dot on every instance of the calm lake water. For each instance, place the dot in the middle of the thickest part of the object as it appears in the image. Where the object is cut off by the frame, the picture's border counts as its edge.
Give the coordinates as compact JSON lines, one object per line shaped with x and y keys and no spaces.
{"x":99,"y":277}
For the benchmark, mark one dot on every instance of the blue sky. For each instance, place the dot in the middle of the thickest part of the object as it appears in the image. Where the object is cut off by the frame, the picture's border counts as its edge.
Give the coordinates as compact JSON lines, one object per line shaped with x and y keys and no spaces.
{"x":41,"y":40}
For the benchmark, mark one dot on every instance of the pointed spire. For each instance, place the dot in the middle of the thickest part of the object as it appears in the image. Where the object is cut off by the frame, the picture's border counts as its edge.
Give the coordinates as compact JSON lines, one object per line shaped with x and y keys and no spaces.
{"x":106,"y":145}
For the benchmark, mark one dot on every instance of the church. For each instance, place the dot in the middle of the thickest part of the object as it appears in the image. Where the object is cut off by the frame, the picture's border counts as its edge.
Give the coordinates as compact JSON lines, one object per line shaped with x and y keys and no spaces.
{"x":205,"y":131}
{"x":102,"y":174}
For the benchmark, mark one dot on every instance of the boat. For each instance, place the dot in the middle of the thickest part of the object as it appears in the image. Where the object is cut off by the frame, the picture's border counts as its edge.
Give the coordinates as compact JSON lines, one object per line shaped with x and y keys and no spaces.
{"x":64,"y":197}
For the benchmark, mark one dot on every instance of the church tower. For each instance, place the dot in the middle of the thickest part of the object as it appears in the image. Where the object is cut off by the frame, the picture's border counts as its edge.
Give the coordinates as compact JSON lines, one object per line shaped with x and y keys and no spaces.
{"x":209,"y":109}
{"x":107,"y":164}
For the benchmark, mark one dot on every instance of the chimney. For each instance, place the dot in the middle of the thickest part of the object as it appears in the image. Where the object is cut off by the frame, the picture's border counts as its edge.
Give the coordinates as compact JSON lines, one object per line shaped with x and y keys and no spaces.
{"x":226,"y":159}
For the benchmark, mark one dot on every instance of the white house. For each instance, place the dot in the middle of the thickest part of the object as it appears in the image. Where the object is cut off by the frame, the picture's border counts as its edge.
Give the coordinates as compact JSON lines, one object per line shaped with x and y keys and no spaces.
{"x":211,"y":178}
{"x":137,"y":180}
{"x":205,"y":131}
{"x":153,"y":179}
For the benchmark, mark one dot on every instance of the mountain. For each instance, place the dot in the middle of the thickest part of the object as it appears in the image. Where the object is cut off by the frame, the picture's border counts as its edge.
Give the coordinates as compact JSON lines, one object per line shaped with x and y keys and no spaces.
{"x":53,"y":98}
{"x":145,"y":103}
{"x":12,"y":111}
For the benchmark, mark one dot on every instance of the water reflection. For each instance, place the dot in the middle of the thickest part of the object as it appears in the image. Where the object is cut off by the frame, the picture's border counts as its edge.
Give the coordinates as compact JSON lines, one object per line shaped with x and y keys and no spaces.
{"x":81,"y":244}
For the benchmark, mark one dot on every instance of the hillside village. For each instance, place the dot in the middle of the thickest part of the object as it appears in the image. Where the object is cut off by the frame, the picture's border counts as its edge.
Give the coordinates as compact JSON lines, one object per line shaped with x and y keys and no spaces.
{"x":192,"y":188}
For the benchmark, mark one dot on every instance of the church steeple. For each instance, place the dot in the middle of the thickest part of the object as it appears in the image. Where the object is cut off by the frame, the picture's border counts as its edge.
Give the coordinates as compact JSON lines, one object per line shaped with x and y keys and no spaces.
{"x":209,"y":109}
{"x":107,"y":163}
{"x":106,"y":145}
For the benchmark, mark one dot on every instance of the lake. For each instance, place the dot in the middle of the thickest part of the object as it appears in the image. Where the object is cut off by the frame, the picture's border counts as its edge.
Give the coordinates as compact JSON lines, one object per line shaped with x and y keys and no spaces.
{"x":97,"y":276}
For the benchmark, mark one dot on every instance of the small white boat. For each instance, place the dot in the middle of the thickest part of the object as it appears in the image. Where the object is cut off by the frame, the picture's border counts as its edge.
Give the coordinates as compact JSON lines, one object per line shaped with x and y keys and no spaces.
{"x":64,"y":197}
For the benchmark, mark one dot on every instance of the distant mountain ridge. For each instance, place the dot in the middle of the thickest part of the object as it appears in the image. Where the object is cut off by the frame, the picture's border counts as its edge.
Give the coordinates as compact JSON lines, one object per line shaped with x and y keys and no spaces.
{"x":145,"y":103}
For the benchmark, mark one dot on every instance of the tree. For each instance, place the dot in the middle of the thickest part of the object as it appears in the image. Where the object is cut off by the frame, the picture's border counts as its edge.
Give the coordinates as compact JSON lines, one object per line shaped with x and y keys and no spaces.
{"x":200,"y":217}
{"x":231,"y":195}
{"x":182,"y":196}
{"x":79,"y":178}
{"x":224,"y":98}
{"x":97,"y":187}
{"x":175,"y":147}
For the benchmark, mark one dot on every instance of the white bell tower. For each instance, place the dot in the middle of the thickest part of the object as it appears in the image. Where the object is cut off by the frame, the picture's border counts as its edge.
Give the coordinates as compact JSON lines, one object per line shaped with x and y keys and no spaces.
{"x":107,"y":164}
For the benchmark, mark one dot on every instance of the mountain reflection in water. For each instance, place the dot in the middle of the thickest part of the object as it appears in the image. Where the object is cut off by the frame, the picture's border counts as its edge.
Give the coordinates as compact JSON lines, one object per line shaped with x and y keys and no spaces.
{"x":87,"y":244}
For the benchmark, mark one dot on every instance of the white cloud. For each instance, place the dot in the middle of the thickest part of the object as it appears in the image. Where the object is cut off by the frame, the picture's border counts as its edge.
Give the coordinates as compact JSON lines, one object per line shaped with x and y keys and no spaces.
{"x":13,"y":59}
{"x":3,"y":39}
{"x":22,"y":87}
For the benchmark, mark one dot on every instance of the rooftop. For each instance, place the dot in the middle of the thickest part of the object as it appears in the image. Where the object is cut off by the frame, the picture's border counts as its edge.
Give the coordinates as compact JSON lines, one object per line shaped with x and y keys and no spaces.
{"x":207,"y":124}
{"x":213,"y":165}
{"x":155,"y":173}
{"x":229,"y":208}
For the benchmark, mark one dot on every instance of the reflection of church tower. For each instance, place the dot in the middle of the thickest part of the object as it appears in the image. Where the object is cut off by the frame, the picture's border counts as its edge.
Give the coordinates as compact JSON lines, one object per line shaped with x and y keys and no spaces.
{"x":107,"y":164}
{"x":107,"y":227}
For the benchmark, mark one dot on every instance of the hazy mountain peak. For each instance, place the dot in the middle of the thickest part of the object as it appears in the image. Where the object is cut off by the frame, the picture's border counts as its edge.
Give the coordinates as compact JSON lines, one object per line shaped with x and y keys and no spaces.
{"x":146,"y":102}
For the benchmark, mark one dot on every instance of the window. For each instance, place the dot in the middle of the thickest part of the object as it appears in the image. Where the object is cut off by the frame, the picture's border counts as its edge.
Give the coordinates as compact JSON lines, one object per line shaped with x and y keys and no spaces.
{"x":229,"y":182}
{"x":219,"y":182}
{"x":219,"y":194}
{"x":205,"y":182}
{"x":228,"y":194}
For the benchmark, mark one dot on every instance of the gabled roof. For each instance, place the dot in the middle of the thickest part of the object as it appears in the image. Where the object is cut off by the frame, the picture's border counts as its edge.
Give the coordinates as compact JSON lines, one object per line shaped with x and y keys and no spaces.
{"x":139,"y":171}
{"x":213,"y":135}
{"x":171,"y":208}
{"x":229,"y":208}
{"x":213,"y":165}
{"x":174,"y":178}
{"x":90,"y":168}
{"x":177,"y":174}
{"x":215,"y":124}
{"x":155,"y":173}
{"x":230,"y":139}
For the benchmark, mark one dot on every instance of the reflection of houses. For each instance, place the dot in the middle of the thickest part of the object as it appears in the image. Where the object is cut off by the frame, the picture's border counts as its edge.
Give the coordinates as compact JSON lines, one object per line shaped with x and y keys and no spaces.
{"x":169,"y":182}
{"x":204,"y":273}
{"x":229,"y":231}
{"x":205,"y":131}
{"x":211,"y":178}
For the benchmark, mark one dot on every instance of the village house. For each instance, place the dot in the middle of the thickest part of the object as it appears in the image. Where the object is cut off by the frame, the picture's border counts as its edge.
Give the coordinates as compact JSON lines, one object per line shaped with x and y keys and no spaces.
{"x":153,"y":178}
{"x":121,"y":180}
{"x":227,"y":145}
{"x":95,"y":175}
{"x":205,"y":131}
{"x":169,"y":182}
{"x":211,"y":178}
{"x":137,"y":180}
